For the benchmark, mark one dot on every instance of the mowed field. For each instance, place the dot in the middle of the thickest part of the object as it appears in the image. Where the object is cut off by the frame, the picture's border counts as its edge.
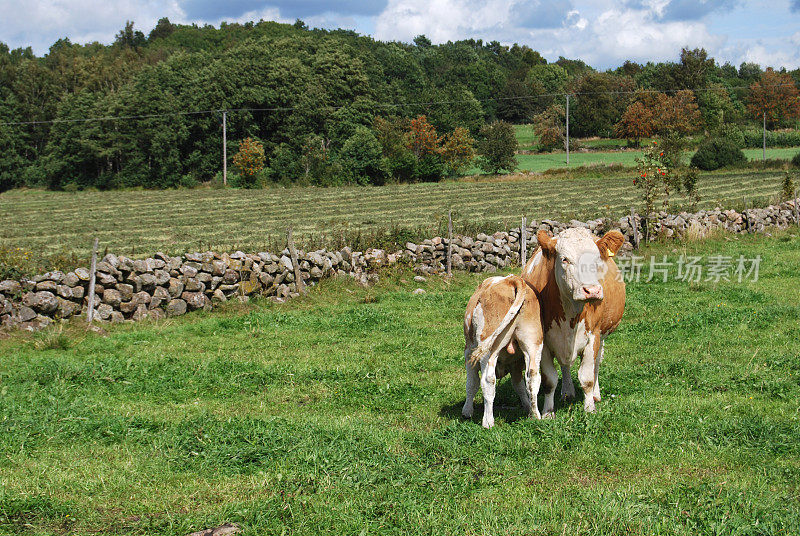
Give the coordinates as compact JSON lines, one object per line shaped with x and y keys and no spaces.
{"x":339,"y":413}
{"x":54,"y":224}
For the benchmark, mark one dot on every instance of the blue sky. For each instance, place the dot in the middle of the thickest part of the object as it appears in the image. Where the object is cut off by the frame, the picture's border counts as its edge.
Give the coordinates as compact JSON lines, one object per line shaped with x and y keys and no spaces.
{"x":602,"y":32}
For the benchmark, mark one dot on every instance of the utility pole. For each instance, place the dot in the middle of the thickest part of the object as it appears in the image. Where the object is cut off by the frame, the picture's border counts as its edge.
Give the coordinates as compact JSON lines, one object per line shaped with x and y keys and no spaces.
{"x":225,"y":147}
{"x":764,"y":139}
{"x":568,"y":129}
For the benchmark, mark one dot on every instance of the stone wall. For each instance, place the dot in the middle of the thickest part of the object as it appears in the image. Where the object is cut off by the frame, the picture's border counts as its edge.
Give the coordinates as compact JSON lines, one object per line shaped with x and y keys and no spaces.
{"x":163,"y":286}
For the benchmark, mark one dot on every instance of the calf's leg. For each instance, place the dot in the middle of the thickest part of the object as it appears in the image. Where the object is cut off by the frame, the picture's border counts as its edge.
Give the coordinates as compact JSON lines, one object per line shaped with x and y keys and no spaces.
{"x":488,"y":386}
{"x":549,"y":382}
{"x":532,"y":353}
{"x":518,"y":381}
{"x":472,"y":385}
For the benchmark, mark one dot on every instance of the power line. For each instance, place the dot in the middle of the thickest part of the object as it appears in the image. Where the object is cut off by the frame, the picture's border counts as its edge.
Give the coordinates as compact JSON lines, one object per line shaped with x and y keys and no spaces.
{"x":381,"y":105}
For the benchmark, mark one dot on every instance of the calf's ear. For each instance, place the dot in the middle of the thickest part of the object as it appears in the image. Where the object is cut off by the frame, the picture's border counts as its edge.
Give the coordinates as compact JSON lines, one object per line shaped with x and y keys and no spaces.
{"x":547,"y":242}
{"x":610,"y":244}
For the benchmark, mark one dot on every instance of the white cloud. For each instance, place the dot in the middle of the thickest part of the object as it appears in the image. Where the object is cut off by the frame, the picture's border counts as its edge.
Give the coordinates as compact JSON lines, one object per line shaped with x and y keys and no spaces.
{"x":42,"y":22}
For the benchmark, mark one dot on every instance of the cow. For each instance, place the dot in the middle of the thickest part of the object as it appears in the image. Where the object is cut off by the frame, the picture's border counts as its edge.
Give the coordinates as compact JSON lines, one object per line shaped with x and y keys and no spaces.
{"x":502,"y":335}
{"x":582,"y":299}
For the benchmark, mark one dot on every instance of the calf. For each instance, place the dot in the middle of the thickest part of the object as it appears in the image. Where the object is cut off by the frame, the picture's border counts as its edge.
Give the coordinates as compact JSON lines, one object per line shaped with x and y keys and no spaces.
{"x":502,"y":320}
{"x":582,"y":298}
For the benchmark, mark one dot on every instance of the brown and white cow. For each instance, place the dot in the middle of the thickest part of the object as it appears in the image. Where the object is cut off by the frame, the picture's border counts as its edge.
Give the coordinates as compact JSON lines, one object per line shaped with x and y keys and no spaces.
{"x":582,"y":298}
{"x":502,"y":321}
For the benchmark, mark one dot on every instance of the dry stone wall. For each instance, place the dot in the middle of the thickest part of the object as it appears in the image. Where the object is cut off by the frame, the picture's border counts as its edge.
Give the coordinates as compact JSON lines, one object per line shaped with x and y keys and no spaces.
{"x":164,"y":286}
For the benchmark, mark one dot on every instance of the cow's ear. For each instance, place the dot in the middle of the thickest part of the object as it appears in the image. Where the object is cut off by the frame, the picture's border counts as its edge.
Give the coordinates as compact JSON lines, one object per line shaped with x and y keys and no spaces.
{"x":610,"y":244}
{"x":546,"y":242}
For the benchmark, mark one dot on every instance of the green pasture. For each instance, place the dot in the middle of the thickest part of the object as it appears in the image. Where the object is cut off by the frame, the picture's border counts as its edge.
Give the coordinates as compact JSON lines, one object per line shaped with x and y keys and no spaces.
{"x":56,"y":229}
{"x":339,"y":413}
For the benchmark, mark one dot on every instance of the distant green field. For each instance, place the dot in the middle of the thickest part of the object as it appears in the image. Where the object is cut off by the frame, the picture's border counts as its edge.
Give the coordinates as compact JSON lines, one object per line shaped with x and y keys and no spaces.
{"x":545,"y":161}
{"x":56,"y":224}
{"x":339,"y":414}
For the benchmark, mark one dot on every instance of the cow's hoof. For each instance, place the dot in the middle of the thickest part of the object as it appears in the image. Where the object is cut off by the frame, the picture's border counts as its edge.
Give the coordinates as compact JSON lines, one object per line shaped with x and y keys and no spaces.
{"x":549,"y":415}
{"x":588,"y":406}
{"x":567,"y":398}
{"x":535,"y":415}
{"x":466,"y":413}
{"x":597,"y":397}
{"x":488,"y":423}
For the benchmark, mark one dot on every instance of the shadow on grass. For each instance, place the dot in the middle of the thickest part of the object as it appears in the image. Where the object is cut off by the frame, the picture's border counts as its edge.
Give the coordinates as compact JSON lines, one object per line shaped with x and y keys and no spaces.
{"x":506,"y":405}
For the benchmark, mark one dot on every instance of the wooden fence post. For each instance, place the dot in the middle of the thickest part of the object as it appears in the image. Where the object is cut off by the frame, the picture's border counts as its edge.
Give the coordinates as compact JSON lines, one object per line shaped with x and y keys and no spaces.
{"x":449,"y":243}
{"x":92,"y":272}
{"x":523,"y":243}
{"x":635,"y":230}
{"x":298,"y":275}
{"x":747,"y":214}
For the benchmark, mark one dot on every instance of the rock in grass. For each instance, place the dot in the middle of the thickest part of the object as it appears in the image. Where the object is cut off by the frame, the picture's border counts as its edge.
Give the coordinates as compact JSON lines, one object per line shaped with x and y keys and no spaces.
{"x":419,"y":291}
{"x":176,"y":307}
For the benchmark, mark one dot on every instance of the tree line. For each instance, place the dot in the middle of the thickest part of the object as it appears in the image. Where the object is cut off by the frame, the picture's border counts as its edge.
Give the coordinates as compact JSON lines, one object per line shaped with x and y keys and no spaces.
{"x":329,"y":106}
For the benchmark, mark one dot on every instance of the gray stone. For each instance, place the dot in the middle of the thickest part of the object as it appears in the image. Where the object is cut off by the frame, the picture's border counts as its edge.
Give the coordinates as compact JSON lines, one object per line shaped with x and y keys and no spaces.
{"x":117,"y":317}
{"x":70,"y":279}
{"x":125,"y":291}
{"x":10,"y":287}
{"x":176,"y":307}
{"x":188,"y":270}
{"x":418,"y":291}
{"x":142,"y":297}
{"x":49,"y":286}
{"x":230,"y":277}
{"x":218,"y":296}
{"x":141,"y":266}
{"x":128,"y":307}
{"x":44,"y":302}
{"x":162,"y":277}
{"x":286,"y":262}
{"x":24,"y":314}
{"x":420,"y":278}
{"x":175,"y":287}
{"x":113,"y":297}
{"x":193,"y":285}
{"x":148,"y":281}
{"x":194,"y":300}
{"x":140,"y":312}
{"x":104,"y":312}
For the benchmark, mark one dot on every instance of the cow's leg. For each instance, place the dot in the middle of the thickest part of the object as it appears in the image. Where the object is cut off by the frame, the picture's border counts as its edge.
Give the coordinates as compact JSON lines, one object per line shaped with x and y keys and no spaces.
{"x":518,"y":381}
{"x":532,"y":353}
{"x":597,"y":361}
{"x":549,"y":382}
{"x":586,"y":375}
{"x":567,"y":387}
{"x":488,"y":386}
{"x":472,"y":385}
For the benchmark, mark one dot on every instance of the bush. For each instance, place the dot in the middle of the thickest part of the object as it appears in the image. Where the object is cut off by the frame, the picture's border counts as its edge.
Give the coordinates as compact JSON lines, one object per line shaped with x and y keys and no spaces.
{"x":497,"y":147}
{"x":796,"y":160}
{"x":362,"y":158}
{"x":788,"y":187}
{"x":715,"y":153}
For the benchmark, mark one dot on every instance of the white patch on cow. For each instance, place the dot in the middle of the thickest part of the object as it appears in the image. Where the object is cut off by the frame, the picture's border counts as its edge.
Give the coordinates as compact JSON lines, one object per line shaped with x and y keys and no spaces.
{"x":535,"y":261}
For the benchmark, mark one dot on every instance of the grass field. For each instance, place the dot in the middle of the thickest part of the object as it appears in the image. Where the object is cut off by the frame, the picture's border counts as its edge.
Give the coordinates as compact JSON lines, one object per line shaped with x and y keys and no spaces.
{"x":55,"y":225}
{"x":545,"y":161}
{"x":338,"y":413}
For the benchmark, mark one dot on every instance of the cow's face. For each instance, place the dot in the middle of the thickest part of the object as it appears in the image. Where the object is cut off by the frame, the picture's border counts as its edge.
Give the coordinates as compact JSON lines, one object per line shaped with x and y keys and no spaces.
{"x":578,"y":264}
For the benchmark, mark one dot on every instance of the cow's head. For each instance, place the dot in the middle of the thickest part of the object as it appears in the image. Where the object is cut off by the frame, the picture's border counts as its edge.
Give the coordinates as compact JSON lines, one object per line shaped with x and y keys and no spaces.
{"x":579,"y":260}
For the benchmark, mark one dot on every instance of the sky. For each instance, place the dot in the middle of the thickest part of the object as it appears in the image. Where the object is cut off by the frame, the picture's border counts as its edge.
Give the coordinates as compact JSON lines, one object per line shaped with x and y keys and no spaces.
{"x":602,"y":33}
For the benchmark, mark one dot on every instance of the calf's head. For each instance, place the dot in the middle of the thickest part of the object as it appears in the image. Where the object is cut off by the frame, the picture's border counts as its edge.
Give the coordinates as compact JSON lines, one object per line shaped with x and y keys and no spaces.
{"x":579,"y":260}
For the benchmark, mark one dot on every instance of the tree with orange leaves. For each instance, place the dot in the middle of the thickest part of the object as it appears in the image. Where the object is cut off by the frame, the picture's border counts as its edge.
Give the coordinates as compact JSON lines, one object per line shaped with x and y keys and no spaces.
{"x":636,"y":123}
{"x":777,"y":96}
{"x":249,"y":161}
{"x":421,"y":138}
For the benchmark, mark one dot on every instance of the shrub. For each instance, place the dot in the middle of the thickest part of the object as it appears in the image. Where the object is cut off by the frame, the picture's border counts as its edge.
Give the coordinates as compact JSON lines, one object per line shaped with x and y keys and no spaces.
{"x":362,"y":158}
{"x":715,"y":153}
{"x":787,"y":187}
{"x":796,"y":160}
{"x":249,"y":161}
{"x":497,"y":147}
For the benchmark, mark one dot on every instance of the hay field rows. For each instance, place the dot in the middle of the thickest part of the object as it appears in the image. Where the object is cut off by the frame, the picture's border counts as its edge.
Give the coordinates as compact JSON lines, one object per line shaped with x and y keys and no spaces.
{"x":51,"y":224}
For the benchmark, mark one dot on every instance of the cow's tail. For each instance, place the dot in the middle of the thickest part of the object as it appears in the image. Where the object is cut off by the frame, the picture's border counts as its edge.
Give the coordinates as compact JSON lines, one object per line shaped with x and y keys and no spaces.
{"x":490,"y":345}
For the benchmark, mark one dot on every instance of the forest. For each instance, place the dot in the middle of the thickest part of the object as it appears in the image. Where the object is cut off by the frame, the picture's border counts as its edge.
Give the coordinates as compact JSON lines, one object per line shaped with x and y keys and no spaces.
{"x":330,"y":107}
